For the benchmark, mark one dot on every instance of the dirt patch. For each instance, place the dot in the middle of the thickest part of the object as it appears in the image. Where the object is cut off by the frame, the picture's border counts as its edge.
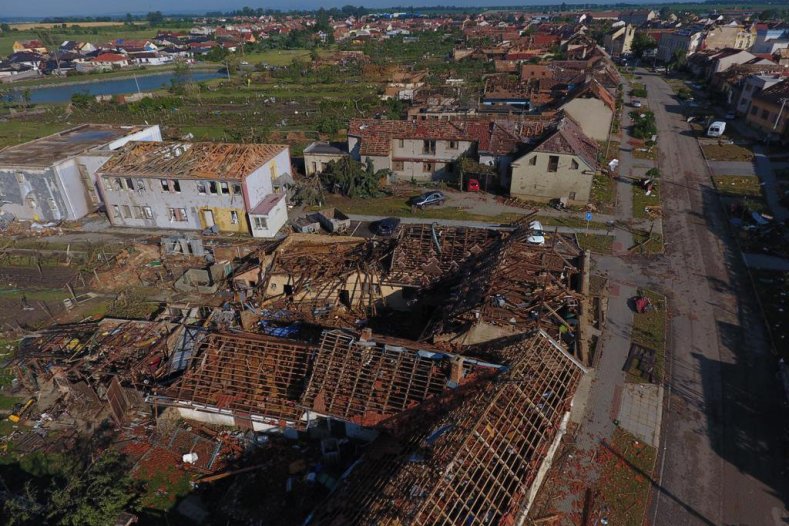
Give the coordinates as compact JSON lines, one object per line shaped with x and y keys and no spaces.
{"x":726,"y":152}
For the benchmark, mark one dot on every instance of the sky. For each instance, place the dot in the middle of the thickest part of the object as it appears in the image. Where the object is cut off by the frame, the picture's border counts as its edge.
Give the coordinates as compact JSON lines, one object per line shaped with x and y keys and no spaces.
{"x":53,"y":8}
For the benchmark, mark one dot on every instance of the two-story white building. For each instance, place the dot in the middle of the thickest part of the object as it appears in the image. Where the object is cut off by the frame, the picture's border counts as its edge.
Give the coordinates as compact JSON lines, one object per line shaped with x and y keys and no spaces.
{"x":192,"y":186}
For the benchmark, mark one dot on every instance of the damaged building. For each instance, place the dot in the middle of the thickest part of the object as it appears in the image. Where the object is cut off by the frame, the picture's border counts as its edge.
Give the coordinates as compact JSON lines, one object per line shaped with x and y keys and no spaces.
{"x":194,"y":186}
{"x":476,"y":457}
{"x":53,"y":178}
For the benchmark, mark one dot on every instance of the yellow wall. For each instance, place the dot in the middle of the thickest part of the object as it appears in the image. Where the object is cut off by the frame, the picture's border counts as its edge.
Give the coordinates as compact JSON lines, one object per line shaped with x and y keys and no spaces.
{"x":223,"y":221}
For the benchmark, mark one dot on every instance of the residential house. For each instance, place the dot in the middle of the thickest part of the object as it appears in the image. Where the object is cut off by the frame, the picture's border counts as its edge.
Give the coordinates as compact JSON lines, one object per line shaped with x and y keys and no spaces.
{"x":732,"y":35}
{"x":29,"y":59}
{"x":769,"y":111}
{"x":771,"y":38}
{"x":562,"y":165}
{"x":318,"y":154}
{"x":404,"y":85}
{"x":638,"y":17}
{"x":593,"y":108}
{"x":683,"y":41}
{"x":53,"y":178}
{"x":103,"y":62}
{"x":708,"y":62}
{"x":619,"y":40}
{"x":753,"y":85}
{"x":36,"y":46}
{"x":422,"y":150}
{"x":191,"y":186}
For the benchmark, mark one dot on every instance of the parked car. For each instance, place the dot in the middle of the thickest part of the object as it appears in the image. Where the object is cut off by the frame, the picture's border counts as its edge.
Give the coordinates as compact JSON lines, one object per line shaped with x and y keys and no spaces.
{"x":428,"y":198}
{"x":716,"y":129}
{"x":636,"y":103}
{"x":536,"y":235}
{"x":472,"y":185}
{"x":385,"y":227}
{"x":730,"y":115}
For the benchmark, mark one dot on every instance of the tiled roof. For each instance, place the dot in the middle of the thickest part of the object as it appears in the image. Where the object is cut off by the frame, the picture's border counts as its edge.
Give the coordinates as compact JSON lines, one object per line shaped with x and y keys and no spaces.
{"x":198,"y":160}
{"x":775,"y":94}
{"x":376,"y":135}
{"x":570,"y":139}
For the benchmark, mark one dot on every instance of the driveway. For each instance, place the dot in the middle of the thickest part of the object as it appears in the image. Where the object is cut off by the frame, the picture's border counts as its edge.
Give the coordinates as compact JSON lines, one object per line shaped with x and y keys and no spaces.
{"x":721,"y":451}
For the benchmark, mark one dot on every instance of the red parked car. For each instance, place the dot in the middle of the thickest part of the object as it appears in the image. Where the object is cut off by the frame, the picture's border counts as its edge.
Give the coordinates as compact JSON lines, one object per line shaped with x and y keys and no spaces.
{"x":472,"y":185}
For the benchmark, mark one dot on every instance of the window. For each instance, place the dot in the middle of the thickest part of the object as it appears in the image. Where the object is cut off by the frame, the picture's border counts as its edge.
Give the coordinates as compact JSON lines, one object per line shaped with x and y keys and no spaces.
{"x":140,"y":185}
{"x":53,"y":205}
{"x":116,"y":211}
{"x":553,"y":163}
{"x":129,"y":184}
{"x":427,"y":167}
{"x":273,"y":170}
{"x":137,"y":212}
{"x":212,"y":187}
{"x":397,"y":166}
{"x":573,"y":164}
{"x":118,"y":184}
{"x":148,"y":212}
{"x":453,"y":145}
{"x":225,"y":188}
{"x":401,"y":143}
{"x":126,"y":211}
{"x":178,"y":214}
{"x":165,"y":185}
{"x":234,"y":217}
{"x":571,"y":195}
{"x":20,"y":178}
{"x":765,"y":114}
{"x":260,"y":223}
{"x":533,"y":161}
{"x":429,"y":147}
{"x":106,"y":182}
{"x":236,"y":189}
{"x":175,"y":185}
{"x":200,"y":187}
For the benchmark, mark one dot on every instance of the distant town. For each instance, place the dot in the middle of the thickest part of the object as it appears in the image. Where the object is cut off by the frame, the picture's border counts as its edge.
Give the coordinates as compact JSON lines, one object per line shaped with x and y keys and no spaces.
{"x":413,"y":266}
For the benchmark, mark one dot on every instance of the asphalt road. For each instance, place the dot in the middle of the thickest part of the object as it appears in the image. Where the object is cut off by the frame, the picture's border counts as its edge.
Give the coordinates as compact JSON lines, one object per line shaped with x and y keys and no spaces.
{"x":721,"y":445}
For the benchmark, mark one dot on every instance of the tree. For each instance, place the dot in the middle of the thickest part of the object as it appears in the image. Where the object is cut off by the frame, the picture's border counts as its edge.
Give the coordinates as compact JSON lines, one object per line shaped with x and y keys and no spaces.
{"x":352,"y":178}
{"x":5,"y":28}
{"x":181,"y":77}
{"x":678,"y":59}
{"x":154,"y":17}
{"x":665,"y":12}
{"x":642,"y":42}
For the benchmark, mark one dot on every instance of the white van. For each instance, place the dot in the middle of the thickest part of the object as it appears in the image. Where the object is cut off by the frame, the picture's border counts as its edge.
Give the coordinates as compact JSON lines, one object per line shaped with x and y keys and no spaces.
{"x":716,"y":129}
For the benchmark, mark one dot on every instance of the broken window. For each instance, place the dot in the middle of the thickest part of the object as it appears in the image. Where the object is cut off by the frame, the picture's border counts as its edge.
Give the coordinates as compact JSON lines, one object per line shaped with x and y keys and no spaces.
{"x":116,"y":211}
{"x":148,"y":212}
{"x":429,"y":147}
{"x":165,"y":185}
{"x":234,"y":217}
{"x":175,"y":185}
{"x":397,"y":166}
{"x":20,"y":178}
{"x":401,"y":143}
{"x":200,"y":187}
{"x":573,"y":164}
{"x":553,"y":163}
{"x":224,"y":187}
{"x":260,"y":223}
{"x":129,"y":184}
{"x":273,"y":170}
{"x":453,"y":145}
{"x":212,"y":187}
{"x":106,"y":182}
{"x":178,"y":214}
{"x":118,"y":184}
{"x":53,"y":205}
{"x":533,"y":161}
{"x":236,"y":189}
{"x":126,"y":211}
{"x":427,"y":167}
{"x":140,"y":185}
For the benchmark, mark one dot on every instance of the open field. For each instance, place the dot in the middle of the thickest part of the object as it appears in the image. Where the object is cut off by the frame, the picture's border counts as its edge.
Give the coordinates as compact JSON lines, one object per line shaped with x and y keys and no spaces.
{"x":625,"y":479}
{"x":277,"y":57}
{"x":726,"y":152}
{"x":49,"y":25}
{"x":737,"y":185}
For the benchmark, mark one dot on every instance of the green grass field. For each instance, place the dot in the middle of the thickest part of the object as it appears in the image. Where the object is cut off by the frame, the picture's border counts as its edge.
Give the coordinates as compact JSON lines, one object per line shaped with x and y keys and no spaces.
{"x":277,"y":57}
{"x":738,"y":185}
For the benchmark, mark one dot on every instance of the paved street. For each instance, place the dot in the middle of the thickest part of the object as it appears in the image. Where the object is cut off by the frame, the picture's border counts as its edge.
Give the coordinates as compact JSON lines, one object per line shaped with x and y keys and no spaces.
{"x":721,"y":447}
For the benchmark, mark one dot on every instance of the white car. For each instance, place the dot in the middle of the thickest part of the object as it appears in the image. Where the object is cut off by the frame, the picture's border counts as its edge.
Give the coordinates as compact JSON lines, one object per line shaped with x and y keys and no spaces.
{"x":636,"y":103}
{"x":536,"y":235}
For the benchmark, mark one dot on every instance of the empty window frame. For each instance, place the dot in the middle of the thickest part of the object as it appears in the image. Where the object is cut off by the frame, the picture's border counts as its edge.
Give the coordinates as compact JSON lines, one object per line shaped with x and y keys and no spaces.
{"x":212,"y":187}
{"x":137,"y":210}
{"x":129,"y":184}
{"x":533,"y":160}
{"x":147,"y":212}
{"x":553,"y":163}
{"x":224,"y":187}
{"x":178,"y":214}
{"x":116,"y":211}
{"x":397,"y":166}
{"x":236,"y":189}
{"x":165,"y":185}
{"x":427,"y":167}
{"x":175,"y":186}
{"x":429,"y":147}
{"x":260,"y":223}
{"x":573,"y":164}
{"x":453,"y":145}
{"x":126,"y":211}
{"x":201,"y":187}
{"x":233,"y":217}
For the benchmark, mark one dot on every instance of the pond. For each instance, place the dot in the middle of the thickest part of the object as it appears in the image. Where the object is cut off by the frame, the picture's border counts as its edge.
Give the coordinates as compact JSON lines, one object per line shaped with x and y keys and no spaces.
{"x":62,"y":93}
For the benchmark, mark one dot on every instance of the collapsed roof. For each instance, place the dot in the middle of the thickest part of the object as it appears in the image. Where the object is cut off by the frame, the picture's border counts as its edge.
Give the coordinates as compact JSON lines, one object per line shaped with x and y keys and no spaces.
{"x":471,"y":459}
